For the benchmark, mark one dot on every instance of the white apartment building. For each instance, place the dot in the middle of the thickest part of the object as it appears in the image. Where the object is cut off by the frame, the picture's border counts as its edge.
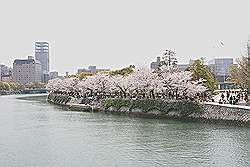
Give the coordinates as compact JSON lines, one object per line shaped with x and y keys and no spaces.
{"x":27,"y":71}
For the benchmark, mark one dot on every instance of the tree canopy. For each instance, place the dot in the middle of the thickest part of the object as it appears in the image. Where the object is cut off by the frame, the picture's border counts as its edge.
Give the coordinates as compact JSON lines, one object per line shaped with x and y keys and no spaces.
{"x":7,"y":86}
{"x":141,"y":83}
{"x":240,"y":73}
{"x":124,"y":71}
{"x":83,"y":75}
{"x":201,"y":71}
{"x":13,"y":86}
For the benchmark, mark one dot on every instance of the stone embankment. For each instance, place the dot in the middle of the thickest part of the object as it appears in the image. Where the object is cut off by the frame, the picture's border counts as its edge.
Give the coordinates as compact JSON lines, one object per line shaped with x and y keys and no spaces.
{"x":182,"y":109}
{"x":215,"y":111}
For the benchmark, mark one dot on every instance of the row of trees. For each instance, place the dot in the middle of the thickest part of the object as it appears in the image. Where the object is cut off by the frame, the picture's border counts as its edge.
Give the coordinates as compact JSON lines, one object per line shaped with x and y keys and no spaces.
{"x":7,"y":86}
{"x":14,"y":86}
{"x":165,"y":82}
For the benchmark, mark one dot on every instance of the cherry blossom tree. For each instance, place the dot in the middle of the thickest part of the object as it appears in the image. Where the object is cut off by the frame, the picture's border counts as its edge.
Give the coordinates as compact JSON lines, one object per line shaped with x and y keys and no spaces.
{"x":68,"y":85}
{"x":142,"y":83}
{"x":122,"y":84}
{"x":54,"y":84}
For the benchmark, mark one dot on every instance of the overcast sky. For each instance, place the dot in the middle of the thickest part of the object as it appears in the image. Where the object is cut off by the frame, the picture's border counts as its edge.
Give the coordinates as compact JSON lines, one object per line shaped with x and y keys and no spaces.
{"x":116,"y":33}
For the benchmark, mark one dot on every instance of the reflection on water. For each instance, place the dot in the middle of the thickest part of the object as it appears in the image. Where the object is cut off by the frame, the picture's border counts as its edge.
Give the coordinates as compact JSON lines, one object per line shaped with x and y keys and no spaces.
{"x":35,"y":133}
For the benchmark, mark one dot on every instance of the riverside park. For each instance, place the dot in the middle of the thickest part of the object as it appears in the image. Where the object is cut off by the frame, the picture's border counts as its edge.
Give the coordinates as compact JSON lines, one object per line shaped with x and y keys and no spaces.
{"x":129,"y":117}
{"x":128,"y":83}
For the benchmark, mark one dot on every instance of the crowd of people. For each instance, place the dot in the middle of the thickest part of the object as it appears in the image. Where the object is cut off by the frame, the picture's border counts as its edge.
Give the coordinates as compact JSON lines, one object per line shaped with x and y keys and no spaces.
{"x":233,"y":97}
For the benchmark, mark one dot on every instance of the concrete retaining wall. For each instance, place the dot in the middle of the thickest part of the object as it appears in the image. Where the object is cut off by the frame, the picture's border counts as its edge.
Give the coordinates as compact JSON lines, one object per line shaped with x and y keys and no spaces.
{"x":211,"y":111}
{"x":226,"y":112}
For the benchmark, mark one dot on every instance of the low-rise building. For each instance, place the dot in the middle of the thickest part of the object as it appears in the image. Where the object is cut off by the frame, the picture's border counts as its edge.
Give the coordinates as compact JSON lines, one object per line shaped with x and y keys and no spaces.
{"x":6,"y":78}
{"x":92,"y":69}
{"x":45,"y":77}
{"x":182,"y":67}
{"x":53,"y":74}
{"x":154,"y":65}
{"x":82,"y":70}
{"x":5,"y":72}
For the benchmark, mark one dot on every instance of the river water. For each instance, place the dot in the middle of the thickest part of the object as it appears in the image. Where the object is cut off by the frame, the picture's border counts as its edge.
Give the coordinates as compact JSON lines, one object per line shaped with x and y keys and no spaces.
{"x":34,"y":133}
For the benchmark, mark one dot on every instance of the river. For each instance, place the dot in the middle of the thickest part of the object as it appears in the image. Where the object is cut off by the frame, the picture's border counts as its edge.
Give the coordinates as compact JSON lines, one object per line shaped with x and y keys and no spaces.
{"x":34,"y":133}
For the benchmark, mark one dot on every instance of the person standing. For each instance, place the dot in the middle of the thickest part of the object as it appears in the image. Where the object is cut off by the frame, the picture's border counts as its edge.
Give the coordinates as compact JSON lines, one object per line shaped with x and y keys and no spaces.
{"x":246,"y":98}
{"x":228,"y":95}
{"x":222,"y":96}
{"x":231,"y":99}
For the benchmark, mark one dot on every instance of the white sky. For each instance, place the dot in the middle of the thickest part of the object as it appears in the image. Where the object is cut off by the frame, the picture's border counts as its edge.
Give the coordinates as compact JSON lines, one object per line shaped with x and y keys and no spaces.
{"x":115,"y":33}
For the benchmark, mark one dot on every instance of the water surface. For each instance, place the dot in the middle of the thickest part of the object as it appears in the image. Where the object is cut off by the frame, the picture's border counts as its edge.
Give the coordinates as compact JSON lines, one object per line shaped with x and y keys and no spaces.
{"x":35,"y":133}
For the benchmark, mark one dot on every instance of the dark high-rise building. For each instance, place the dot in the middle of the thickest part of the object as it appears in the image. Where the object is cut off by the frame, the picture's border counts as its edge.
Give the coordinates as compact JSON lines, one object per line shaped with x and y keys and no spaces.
{"x":42,"y":54}
{"x":220,"y":68}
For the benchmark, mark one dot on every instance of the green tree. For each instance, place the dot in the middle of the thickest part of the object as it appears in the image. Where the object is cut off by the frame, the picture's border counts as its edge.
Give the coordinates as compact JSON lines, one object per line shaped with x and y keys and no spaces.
{"x":234,"y":71}
{"x":18,"y":86}
{"x":13,"y":86}
{"x":200,"y":70}
{"x":169,"y":58}
{"x":240,"y":73}
{"x":4,"y":86}
{"x":35,"y":85}
{"x":124,"y":71}
{"x":84,"y":75}
{"x":8,"y":86}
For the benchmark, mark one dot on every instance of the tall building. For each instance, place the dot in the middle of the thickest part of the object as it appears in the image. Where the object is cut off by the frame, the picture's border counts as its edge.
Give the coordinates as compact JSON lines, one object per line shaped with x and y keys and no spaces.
{"x":42,"y":54}
{"x":27,"y":71}
{"x":220,"y":68}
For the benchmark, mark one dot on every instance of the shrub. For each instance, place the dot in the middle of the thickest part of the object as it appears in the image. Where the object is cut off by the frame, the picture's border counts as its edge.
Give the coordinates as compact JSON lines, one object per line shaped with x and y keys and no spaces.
{"x":183,"y":107}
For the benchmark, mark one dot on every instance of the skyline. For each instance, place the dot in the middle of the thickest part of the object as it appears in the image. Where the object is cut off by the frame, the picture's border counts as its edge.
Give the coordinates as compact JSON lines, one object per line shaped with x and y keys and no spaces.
{"x":114,"y":34}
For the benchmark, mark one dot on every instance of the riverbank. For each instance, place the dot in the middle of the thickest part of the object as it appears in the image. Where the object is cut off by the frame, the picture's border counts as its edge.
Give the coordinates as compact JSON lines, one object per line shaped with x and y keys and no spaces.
{"x":24,"y":91}
{"x":181,"y":109}
{"x":9,"y":92}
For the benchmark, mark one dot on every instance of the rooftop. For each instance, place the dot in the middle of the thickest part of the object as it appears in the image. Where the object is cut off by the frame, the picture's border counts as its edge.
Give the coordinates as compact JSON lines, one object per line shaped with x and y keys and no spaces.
{"x":25,"y":61}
